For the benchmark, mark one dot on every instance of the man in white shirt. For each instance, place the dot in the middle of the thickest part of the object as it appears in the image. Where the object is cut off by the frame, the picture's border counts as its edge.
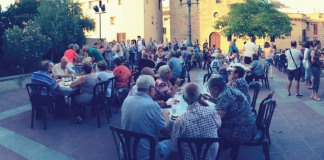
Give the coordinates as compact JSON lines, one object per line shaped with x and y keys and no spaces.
{"x":294,"y":70}
{"x":184,"y":42}
{"x":250,"y":48}
{"x":62,"y":69}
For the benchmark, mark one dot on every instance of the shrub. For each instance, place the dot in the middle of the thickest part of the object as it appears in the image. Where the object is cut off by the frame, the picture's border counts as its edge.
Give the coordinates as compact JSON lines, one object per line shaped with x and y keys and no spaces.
{"x":23,"y":49}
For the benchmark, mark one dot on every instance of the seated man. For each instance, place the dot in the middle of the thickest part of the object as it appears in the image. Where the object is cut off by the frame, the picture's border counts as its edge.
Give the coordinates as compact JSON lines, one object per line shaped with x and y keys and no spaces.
{"x":175,"y":66}
{"x":104,"y":75}
{"x":145,"y":61}
{"x":164,"y":89}
{"x":150,"y":121}
{"x":62,"y":70}
{"x":41,"y":77}
{"x":198,"y":121}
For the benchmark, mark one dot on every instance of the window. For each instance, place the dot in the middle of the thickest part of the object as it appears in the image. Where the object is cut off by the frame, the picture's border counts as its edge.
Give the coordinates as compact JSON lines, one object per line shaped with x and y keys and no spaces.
{"x":112,"y":20}
{"x":120,"y":37}
{"x":315,"y":29}
{"x":120,"y":2}
{"x":164,"y":30}
{"x":289,"y":33}
{"x":218,"y":1}
{"x":216,"y":15}
{"x":165,"y":19}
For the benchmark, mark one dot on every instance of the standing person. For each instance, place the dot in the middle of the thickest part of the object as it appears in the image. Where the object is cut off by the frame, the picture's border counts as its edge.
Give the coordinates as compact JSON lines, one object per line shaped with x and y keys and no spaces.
{"x":294,"y":70}
{"x":185,"y":41}
{"x":140,"y":47}
{"x":175,"y":44}
{"x":268,"y":56}
{"x":231,"y":51}
{"x":131,"y":50}
{"x":127,"y":46}
{"x":302,"y":62}
{"x":184,"y":53}
{"x":113,"y":52}
{"x":206,"y":43}
{"x":94,"y":54}
{"x":107,"y":49}
{"x":181,"y":44}
{"x":315,"y":55}
{"x":310,"y":75}
{"x":70,"y":54}
{"x":250,"y":48}
{"x":234,"y":41}
{"x":118,"y":48}
{"x":160,"y":45}
{"x":166,"y":44}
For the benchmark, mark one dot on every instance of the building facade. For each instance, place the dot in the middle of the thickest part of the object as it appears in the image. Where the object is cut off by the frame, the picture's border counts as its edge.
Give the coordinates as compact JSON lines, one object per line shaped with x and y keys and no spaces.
{"x":166,"y":23}
{"x":126,"y":19}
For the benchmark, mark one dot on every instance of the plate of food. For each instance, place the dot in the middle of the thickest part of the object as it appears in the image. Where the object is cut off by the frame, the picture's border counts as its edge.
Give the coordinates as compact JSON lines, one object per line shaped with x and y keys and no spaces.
{"x":66,"y":84}
{"x":61,"y":83}
{"x":175,"y":116}
{"x":175,"y":101}
{"x":67,"y":80}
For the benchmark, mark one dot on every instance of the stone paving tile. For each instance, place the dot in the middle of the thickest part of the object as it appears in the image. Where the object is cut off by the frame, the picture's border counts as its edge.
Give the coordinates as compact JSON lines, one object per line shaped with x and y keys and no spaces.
{"x":13,"y":99}
{"x":304,"y":154}
{"x":7,"y":154}
{"x":319,"y":151}
{"x":291,"y":144}
{"x":315,"y":140}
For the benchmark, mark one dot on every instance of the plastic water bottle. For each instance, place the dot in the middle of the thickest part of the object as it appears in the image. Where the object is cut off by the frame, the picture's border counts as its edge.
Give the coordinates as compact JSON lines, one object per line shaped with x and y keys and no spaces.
{"x":182,"y":104}
{"x":235,"y":61}
{"x":72,"y":77}
{"x":201,"y":82}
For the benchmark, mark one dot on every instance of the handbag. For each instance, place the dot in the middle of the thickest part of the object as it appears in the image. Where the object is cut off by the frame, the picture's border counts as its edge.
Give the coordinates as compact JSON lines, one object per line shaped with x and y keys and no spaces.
{"x":297,"y":69}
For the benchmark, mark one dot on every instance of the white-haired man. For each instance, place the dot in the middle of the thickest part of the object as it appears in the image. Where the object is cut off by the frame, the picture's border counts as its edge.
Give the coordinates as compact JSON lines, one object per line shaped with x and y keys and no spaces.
{"x":198,"y":121}
{"x":150,"y":120}
{"x":62,"y":69}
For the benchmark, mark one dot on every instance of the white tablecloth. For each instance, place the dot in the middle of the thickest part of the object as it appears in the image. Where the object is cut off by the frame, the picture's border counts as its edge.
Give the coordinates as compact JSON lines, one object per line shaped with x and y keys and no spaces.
{"x":230,"y":67}
{"x":66,"y":90}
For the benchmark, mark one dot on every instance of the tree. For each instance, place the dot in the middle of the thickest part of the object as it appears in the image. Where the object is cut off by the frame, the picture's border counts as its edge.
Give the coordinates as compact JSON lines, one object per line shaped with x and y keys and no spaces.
{"x":64,"y":22}
{"x":254,"y":19}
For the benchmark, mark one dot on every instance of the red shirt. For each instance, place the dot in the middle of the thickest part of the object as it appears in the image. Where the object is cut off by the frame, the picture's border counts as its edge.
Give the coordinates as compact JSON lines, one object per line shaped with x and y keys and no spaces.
{"x":69,"y":54}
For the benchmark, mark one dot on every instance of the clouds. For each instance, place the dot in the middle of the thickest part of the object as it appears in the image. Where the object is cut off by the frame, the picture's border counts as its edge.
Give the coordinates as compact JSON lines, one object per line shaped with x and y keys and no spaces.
{"x":305,"y":6}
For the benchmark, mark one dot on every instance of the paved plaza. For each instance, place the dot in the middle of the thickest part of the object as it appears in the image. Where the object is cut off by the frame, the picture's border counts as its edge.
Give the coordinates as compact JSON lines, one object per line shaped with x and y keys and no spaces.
{"x":297,"y":129}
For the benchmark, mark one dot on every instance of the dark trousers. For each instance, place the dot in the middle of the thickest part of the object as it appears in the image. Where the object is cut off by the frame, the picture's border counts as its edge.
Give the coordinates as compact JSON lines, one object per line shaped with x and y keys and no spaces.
{"x":132,"y":57}
{"x":250,"y":78}
{"x":75,"y":107}
{"x":247,"y":60}
{"x":59,"y":102}
{"x":316,"y":72}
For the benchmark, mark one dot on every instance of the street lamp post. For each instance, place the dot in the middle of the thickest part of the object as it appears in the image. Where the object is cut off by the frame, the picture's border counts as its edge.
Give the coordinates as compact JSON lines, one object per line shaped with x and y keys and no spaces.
{"x":189,"y":43}
{"x":95,"y":8}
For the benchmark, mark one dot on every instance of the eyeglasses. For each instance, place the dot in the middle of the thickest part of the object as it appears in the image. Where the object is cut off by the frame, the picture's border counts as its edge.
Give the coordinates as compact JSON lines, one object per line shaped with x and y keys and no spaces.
{"x":154,"y":87}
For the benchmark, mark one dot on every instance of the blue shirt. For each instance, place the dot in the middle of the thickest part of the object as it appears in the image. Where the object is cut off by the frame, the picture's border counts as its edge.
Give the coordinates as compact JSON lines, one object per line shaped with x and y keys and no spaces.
{"x":41,"y":77}
{"x":104,"y":76}
{"x":231,"y":50}
{"x":141,"y":114}
{"x":257,"y":68}
{"x":175,"y":66}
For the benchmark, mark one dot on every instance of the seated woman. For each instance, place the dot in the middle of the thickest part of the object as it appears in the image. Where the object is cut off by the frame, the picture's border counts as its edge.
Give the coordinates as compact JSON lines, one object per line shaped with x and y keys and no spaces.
{"x":238,"y":124}
{"x":160,"y":54}
{"x":239,"y":82}
{"x":256,"y":69}
{"x":164,"y":89}
{"x":104,"y":75}
{"x":123,"y":74}
{"x":86,"y":83}
{"x":218,"y":66}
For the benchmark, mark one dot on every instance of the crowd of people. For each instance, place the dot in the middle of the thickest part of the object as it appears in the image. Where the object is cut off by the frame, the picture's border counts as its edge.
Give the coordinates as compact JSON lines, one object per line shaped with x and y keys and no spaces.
{"x":160,"y":69}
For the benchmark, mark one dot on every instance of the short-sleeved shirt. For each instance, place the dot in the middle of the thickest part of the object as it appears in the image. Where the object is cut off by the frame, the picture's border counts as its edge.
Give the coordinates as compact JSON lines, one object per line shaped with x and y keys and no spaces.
{"x":142,"y":115}
{"x":238,"y":124}
{"x":42,"y":77}
{"x":175,"y":66}
{"x":243,"y":86}
{"x":123,"y":74}
{"x":197,"y":122}
{"x":133,"y":91}
{"x":296,"y":54}
{"x":215,"y":66}
{"x":233,"y":48}
{"x":162,"y":89}
{"x":58,"y":70}
{"x":107,"y":54}
{"x":93,"y":52}
{"x":69,"y":54}
{"x":185,"y":55}
{"x":250,"y":49}
{"x":104,"y":76}
{"x":257,"y":68}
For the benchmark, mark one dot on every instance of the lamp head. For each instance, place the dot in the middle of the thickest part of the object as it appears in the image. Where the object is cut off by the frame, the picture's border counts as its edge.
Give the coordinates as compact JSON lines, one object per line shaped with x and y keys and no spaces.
{"x":103,"y":8}
{"x":96,"y":8}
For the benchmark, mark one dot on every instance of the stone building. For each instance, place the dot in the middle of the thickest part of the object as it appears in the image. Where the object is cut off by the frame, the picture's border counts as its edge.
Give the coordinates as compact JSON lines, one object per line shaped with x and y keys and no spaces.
{"x":166,"y":23}
{"x":126,"y":19}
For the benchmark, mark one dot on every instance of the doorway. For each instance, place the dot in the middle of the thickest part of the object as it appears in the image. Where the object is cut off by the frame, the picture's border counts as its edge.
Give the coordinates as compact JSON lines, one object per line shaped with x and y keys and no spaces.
{"x":214,"y":39}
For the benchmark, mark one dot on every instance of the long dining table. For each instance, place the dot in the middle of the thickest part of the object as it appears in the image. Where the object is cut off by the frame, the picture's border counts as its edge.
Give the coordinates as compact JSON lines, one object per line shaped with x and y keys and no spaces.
{"x":65,"y":90}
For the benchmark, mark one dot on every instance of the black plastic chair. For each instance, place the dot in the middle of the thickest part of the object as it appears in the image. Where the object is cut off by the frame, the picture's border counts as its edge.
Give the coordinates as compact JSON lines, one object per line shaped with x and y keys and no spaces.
{"x":206,"y":77}
{"x":199,"y":143}
{"x":263,"y":124}
{"x":111,"y":99}
{"x":121,"y":94}
{"x":99,"y":99}
{"x":130,"y":152}
{"x":209,"y":69}
{"x":265,"y":77}
{"x":134,"y":76}
{"x":256,"y":87}
{"x":184,"y":74}
{"x":36,"y":99}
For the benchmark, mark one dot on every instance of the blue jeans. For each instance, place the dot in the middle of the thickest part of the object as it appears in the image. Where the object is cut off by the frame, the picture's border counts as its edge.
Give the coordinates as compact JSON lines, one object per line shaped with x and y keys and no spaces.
{"x":308,"y":72}
{"x":316,"y":72}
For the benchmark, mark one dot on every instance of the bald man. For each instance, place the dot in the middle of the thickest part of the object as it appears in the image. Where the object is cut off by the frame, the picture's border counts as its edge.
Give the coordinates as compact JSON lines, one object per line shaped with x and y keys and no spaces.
{"x":62,"y":69}
{"x":150,"y":72}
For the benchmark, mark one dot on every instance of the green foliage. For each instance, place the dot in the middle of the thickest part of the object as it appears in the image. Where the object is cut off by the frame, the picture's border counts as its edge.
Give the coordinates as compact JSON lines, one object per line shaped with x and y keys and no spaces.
{"x":64,"y":22}
{"x":254,"y":19}
{"x":23,"y":49}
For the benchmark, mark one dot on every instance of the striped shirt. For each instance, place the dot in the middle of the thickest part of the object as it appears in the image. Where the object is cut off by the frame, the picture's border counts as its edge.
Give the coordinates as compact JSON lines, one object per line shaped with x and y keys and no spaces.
{"x":58,"y":70}
{"x":41,"y":77}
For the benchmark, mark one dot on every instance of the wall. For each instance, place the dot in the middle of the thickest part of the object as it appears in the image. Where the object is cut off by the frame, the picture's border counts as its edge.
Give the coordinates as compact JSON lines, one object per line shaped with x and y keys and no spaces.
{"x":166,"y":23}
{"x":14,"y":82}
{"x":155,"y":30}
{"x":179,"y":21}
{"x":129,"y":19}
